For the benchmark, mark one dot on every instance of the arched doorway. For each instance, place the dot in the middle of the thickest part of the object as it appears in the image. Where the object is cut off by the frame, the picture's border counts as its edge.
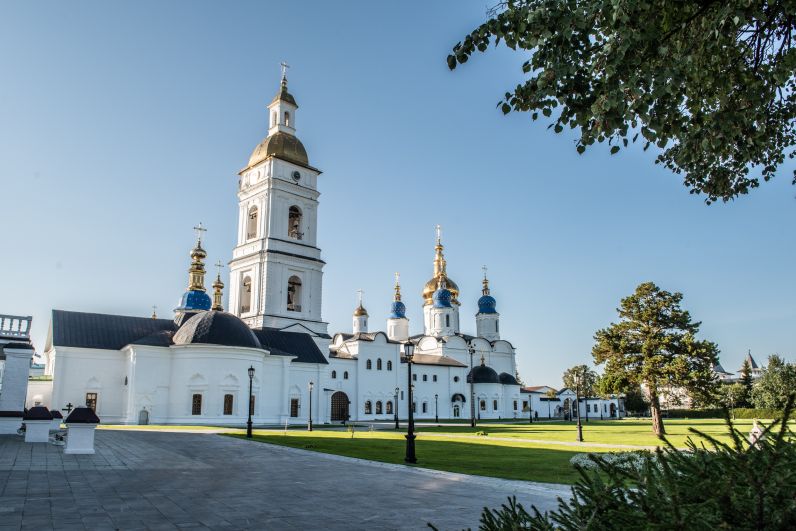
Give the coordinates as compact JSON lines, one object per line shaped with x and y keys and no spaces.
{"x":143,"y":417}
{"x":340,"y":406}
{"x":567,"y":408}
{"x":613,"y":410}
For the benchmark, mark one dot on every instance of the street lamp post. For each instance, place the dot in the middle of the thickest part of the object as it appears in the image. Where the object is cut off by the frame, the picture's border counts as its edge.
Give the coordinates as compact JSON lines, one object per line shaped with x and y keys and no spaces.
{"x":471,"y":349}
{"x":249,"y":421}
{"x":436,"y":408}
{"x":395,"y":408}
{"x":309,"y":417}
{"x":577,"y":407}
{"x":530,"y":410}
{"x":409,"y":352}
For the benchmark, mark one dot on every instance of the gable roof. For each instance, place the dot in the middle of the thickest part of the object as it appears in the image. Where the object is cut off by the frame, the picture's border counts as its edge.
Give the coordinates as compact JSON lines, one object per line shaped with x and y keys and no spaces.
{"x":281,"y":343}
{"x":434,"y":359}
{"x":104,"y":331}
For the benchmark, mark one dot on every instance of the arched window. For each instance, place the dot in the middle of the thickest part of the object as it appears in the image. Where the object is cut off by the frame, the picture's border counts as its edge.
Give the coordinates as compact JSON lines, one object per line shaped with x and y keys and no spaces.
{"x":434,"y":378}
{"x":496,"y":326}
{"x":196,"y":404}
{"x":425,"y":377}
{"x":414,"y":377}
{"x":368,"y":408}
{"x":378,"y":407}
{"x":482,"y":405}
{"x":273,"y":118}
{"x":494,"y":405}
{"x":388,"y":405}
{"x":228,"y":404}
{"x":368,"y":364}
{"x":425,"y":407}
{"x":334,"y":374}
{"x":251,"y":226}
{"x":246,"y":295}
{"x":447,"y":320}
{"x":294,"y":223}
{"x":287,"y":118}
{"x":378,"y":364}
{"x":389,"y":365}
{"x":294,"y":294}
{"x":455,"y":378}
{"x":345,"y":375}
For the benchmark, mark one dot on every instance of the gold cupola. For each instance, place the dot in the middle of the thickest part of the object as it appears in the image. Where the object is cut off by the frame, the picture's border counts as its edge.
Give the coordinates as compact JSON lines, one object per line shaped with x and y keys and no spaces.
{"x":440,"y":274}
{"x":218,"y":293}
{"x":196,"y":273}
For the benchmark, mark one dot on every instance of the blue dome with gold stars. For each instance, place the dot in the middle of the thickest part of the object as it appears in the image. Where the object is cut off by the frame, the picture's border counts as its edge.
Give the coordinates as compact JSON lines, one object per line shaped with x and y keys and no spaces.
{"x":194,"y":299}
{"x":442,"y":298}
{"x":398,"y":310}
{"x":486,"y":304}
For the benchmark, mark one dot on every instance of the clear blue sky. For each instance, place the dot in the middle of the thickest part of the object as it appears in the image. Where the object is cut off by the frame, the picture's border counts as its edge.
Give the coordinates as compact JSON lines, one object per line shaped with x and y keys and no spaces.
{"x":122,"y":125}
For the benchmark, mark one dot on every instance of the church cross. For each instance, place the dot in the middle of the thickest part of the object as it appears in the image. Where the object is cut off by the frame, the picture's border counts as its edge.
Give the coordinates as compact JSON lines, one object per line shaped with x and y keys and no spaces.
{"x":199,"y":230}
{"x":439,"y":233}
{"x":284,"y":66}
{"x":219,"y":266}
{"x":483,"y":268}
{"x":69,"y":407}
{"x":154,"y":311}
{"x":397,"y":278}
{"x":359,"y":291}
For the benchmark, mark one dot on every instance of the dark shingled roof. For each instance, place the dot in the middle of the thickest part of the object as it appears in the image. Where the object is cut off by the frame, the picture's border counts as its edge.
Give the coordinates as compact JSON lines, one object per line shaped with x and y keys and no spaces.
{"x":98,"y":330}
{"x":216,"y":328}
{"x":290,"y":344}
{"x":482,"y":374}
{"x":38,"y":413}
{"x":56,"y":414}
{"x":508,"y":379}
{"x":82,"y":415}
{"x":11,"y":414}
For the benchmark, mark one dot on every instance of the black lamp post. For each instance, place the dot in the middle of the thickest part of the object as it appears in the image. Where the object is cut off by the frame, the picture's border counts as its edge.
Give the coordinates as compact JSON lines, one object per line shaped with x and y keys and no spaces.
{"x":471,"y":348}
{"x":309,"y":418}
{"x":409,"y":352}
{"x":436,"y":408}
{"x":530,"y":411}
{"x":577,"y":407}
{"x":249,"y":422}
{"x":395,"y":408}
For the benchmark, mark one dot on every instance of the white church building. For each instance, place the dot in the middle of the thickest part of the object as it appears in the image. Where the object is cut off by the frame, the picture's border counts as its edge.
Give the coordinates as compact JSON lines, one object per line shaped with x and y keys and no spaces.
{"x":194,"y":368}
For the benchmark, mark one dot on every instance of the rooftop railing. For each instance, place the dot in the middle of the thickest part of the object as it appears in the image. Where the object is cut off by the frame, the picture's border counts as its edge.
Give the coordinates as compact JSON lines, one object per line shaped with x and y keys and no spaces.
{"x":15,"y":326}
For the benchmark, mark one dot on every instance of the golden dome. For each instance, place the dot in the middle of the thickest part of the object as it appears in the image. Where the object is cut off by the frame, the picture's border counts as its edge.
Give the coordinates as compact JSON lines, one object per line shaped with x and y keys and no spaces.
{"x":360,"y":311}
{"x":431,"y":287}
{"x":280,"y":145}
{"x":440,"y":272}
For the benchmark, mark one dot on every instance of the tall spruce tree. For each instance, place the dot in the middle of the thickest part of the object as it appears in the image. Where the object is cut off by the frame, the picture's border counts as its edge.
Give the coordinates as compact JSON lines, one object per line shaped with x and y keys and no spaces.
{"x":746,"y":381}
{"x":654,"y":345}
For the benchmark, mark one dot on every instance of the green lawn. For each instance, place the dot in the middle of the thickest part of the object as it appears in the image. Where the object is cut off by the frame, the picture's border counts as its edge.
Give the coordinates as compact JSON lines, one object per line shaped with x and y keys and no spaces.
{"x":481,"y":456}
{"x":626,"y":431}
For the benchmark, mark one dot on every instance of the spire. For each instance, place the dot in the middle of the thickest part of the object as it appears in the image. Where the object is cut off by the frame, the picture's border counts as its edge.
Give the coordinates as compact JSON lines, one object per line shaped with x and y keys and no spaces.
{"x":196,"y":273}
{"x":154,"y":312}
{"x":439,"y":258}
{"x":482,"y":360}
{"x":283,"y":94}
{"x":397,"y":297}
{"x":485,"y":283}
{"x":218,"y":286}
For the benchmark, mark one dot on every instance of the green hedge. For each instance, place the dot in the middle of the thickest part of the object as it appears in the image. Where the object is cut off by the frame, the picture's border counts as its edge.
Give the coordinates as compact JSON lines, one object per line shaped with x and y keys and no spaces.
{"x":739,"y":413}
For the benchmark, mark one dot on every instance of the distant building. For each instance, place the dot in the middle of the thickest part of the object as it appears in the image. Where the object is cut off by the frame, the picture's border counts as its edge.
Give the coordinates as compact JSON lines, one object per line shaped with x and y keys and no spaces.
{"x":546,"y":402}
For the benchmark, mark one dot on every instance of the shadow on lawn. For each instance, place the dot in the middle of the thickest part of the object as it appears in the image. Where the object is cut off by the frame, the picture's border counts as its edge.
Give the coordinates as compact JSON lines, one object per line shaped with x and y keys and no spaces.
{"x":530,"y":464}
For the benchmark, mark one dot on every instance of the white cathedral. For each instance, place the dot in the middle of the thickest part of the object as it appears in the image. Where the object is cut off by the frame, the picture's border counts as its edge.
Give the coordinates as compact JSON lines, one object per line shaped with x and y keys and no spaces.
{"x":194,"y":368}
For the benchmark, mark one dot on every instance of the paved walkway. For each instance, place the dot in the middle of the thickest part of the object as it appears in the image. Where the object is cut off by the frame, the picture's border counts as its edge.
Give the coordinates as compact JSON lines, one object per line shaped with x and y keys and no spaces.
{"x":152,"y":480}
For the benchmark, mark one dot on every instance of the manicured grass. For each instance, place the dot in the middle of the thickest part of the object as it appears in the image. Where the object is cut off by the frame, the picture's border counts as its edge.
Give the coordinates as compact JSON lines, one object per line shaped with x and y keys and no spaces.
{"x":637,"y":432}
{"x":503,"y":459}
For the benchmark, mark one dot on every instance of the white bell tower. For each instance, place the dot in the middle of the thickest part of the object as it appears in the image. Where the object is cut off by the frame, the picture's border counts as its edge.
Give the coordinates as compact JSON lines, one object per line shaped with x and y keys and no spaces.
{"x":276,"y":270}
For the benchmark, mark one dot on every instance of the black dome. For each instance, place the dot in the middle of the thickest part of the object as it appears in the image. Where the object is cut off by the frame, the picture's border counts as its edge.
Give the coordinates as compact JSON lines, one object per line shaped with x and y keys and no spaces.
{"x":483,"y":374}
{"x":216,"y":328}
{"x":507,"y":379}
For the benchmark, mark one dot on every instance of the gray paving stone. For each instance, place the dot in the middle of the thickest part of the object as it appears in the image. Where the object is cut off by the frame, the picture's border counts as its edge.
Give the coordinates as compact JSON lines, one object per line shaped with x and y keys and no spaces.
{"x":155,"y":480}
